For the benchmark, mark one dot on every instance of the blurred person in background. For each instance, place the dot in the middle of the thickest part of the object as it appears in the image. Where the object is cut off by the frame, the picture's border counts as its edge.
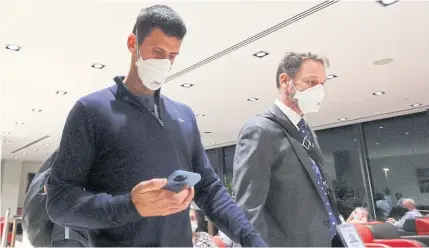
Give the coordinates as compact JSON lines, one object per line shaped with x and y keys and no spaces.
{"x":399,"y":198}
{"x":199,"y":238}
{"x":388,"y":197}
{"x":382,"y":205}
{"x":412,"y":213}
{"x":359,"y":215}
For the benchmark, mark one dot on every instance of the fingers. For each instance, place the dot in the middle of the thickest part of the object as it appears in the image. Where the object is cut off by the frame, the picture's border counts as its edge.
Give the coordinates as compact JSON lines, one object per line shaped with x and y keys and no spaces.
{"x":176,"y":198}
{"x":191,"y":193}
{"x":151,"y":185}
{"x":170,"y":207}
{"x":178,"y":208}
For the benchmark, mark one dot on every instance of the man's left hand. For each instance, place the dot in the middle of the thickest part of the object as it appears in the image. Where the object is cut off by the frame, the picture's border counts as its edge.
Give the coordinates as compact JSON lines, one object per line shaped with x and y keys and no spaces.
{"x":391,"y":220}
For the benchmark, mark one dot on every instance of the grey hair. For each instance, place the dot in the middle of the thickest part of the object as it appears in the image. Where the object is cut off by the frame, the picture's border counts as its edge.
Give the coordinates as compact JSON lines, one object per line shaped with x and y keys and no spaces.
{"x":291,"y":63}
{"x":362,"y":209}
{"x":409,"y":201}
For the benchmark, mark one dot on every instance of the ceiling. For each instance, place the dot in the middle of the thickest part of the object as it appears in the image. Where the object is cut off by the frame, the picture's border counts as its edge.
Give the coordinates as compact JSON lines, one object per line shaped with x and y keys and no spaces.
{"x":60,"y":40}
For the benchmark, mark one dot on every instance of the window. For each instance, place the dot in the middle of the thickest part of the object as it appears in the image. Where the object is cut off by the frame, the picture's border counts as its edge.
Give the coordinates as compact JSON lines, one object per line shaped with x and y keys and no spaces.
{"x":340,"y":148}
{"x":228,"y":154}
{"x":398,"y":151}
{"x":213,"y":156}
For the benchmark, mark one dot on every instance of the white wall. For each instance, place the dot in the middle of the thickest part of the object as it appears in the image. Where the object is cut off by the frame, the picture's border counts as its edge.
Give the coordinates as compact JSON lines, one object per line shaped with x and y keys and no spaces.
{"x":14,"y":183}
{"x":1,"y":172}
{"x":27,"y":167}
{"x":10,"y":185}
{"x":402,"y":177}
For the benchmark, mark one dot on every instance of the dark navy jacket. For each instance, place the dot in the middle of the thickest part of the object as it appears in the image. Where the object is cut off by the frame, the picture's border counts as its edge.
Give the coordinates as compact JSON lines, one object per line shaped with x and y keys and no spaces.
{"x":109,"y":144}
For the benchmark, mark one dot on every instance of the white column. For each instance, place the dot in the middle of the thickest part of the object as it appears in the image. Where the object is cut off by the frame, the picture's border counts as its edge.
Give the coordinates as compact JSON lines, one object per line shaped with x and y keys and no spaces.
{"x":1,"y":172}
{"x":10,"y":184}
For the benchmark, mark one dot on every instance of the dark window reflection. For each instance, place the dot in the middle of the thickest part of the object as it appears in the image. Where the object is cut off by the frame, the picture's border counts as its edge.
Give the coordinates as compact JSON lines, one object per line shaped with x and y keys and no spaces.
{"x":340,"y":148}
{"x":398,"y":151}
{"x":212,"y":154}
{"x":228,"y":154}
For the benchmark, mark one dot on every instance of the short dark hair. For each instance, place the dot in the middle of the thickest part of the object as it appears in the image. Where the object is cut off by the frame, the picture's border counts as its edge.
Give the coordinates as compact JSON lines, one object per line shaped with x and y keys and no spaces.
{"x":291,"y":63}
{"x":162,"y":17}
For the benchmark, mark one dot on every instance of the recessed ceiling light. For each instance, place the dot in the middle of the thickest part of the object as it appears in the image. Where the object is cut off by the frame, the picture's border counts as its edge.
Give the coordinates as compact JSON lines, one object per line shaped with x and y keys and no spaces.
{"x":46,"y":144}
{"x":381,"y":127}
{"x":36,"y":110}
{"x":19,"y":123}
{"x":16,"y":157}
{"x":387,"y":2}
{"x":260,"y":54}
{"x":331,"y":76}
{"x":379,"y":93}
{"x":377,"y":144}
{"x":253,"y":99}
{"x":98,"y":66}
{"x":342,"y":119}
{"x":186,"y":85}
{"x":13,"y":47}
{"x":416,"y":105}
{"x":386,"y":169}
{"x":60,"y":92}
{"x":7,"y":141}
{"x":24,"y":153}
{"x":407,"y":133}
{"x":384,"y":61}
{"x":35,"y":149}
{"x":199,"y":115}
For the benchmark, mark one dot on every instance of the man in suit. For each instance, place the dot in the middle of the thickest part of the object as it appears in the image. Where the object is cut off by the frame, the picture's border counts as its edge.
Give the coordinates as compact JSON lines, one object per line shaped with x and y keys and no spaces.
{"x":279,"y":178}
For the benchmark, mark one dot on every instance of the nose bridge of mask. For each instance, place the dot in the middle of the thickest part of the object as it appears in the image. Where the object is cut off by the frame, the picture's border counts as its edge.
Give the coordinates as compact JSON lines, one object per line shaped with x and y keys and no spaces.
{"x":159,"y":64}
{"x":316,"y":91}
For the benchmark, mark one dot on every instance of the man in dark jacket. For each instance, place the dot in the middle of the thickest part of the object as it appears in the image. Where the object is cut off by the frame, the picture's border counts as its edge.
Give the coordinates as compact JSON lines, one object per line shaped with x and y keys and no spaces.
{"x":279,"y":176}
{"x":121,"y":143}
{"x":66,"y":237}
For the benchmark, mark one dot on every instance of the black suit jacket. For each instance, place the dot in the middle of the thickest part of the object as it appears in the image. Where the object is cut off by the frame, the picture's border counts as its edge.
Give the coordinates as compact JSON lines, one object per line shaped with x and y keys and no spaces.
{"x":274,"y":188}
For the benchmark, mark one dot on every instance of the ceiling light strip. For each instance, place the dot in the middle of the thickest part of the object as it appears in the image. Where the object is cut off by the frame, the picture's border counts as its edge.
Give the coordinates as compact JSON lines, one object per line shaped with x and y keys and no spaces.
{"x":254,"y":38}
{"x":30,"y":144}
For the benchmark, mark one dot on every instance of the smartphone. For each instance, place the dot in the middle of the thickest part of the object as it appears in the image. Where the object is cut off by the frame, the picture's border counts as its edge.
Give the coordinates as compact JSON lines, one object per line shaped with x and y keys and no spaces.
{"x":177,"y":181}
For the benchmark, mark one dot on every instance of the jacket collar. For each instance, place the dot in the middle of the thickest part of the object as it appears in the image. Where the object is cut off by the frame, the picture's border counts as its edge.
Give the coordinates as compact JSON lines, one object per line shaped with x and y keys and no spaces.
{"x":120,"y":91}
{"x":293,"y":116}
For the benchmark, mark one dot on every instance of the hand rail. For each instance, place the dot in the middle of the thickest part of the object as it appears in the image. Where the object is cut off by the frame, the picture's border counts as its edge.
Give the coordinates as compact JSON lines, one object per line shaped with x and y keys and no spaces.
{"x":5,"y":233}
{"x":6,"y":224}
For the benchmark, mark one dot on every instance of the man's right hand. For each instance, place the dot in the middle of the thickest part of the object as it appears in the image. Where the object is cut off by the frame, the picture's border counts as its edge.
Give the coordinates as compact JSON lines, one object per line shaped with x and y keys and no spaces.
{"x":150,"y":199}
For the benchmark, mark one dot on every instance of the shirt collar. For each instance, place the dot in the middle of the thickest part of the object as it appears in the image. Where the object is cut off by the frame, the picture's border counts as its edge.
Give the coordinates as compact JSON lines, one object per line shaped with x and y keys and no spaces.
{"x":122,"y":90}
{"x":293,"y":116}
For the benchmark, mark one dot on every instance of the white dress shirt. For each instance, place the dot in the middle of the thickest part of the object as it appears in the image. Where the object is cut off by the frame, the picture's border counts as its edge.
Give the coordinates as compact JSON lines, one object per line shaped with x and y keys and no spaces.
{"x":293,"y":116}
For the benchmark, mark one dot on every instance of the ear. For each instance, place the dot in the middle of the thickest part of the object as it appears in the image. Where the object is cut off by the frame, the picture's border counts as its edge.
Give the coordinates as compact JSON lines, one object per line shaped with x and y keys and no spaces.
{"x":131,"y":43}
{"x":283,"y":79}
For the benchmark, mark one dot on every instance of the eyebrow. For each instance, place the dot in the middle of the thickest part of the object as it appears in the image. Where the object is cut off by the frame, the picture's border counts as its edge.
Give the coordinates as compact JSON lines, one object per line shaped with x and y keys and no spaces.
{"x":163,"y":51}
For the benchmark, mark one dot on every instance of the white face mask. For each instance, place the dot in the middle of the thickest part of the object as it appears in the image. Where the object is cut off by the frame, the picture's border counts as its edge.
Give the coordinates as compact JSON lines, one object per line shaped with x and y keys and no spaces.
{"x":194,"y":226}
{"x":153,"y":72}
{"x":309,"y":100}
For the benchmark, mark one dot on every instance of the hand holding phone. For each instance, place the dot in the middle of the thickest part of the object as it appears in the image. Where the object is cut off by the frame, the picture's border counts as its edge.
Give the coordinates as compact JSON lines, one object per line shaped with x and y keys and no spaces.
{"x":180,"y":179}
